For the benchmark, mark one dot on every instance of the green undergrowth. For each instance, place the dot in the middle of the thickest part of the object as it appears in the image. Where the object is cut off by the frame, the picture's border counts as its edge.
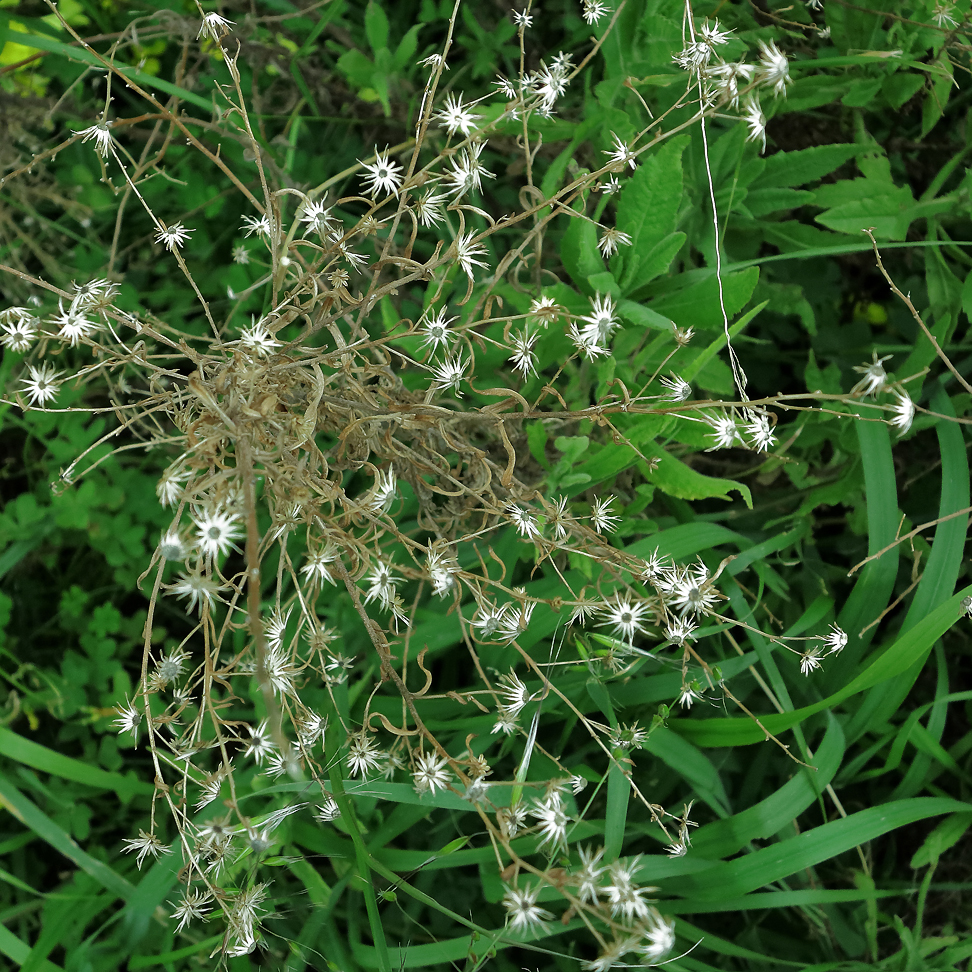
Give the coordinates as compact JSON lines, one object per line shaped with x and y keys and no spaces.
{"x":832,"y":807}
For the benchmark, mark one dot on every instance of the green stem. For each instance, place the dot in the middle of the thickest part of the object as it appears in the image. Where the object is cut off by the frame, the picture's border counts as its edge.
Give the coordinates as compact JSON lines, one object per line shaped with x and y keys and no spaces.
{"x":364,"y":868}
{"x":922,"y":896}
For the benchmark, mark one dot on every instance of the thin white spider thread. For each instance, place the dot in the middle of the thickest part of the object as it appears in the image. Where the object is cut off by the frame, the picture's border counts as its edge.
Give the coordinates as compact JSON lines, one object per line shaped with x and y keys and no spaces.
{"x":738,"y":375}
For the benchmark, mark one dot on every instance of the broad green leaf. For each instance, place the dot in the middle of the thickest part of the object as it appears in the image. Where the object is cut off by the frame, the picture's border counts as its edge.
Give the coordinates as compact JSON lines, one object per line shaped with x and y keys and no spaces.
{"x":580,"y":255}
{"x":873,"y":202}
{"x":606,"y":464}
{"x":405,"y":51}
{"x":696,"y":304}
{"x":948,"y":833}
{"x":657,"y":260}
{"x":967,"y":295}
{"x":759,"y":202}
{"x":861,"y":92}
{"x":357,"y":67}
{"x":604,"y":283}
{"x":643,"y":316}
{"x":648,"y":212}
{"x":805,"y":165}
{"x":376,"y":26}
{"x":887,"y":214}
{"x":901,"y":87}
{"x":812,"y":91}
{"x":937,"y":98}
{"x":802,"y":240}
{"x":676,"y":478}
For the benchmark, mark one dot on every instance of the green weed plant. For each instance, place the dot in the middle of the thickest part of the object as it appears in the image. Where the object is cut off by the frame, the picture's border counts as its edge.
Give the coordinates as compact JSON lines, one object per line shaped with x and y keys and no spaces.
{"x":485,"y":487}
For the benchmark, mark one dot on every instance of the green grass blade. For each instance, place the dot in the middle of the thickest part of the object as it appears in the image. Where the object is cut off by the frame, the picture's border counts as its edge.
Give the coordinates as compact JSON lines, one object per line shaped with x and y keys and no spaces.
{"x":781,"y":899}
{"x":18,"y":951}
{"x":30,"y":815}
{"x":46,"y":760}
{"x":691,"y":370}
{"x":349,"y":816}
{"x":787,"y":857}
{"x":766,"y":818}
{"x":904,"y":652}
{"x":83,"y":56}
{"x":945,"y":560}
{"x":875,"y":585}
{"x":692,"y":765}
{"x":941,"y":571}
{"x":722,"y":946}
{"x":616,"y":813}
{"x":150,"y":892}
{"x":149,"y":961}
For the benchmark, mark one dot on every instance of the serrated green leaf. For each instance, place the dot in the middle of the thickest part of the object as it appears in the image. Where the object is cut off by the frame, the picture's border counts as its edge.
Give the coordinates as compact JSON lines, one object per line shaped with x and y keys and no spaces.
{"x":674,"y":477}
{"x":759,"y":202}
{"x":696,"y":302}
{"x":376,"y":26}
{"x":785,"y":169}
{"x":648,"y":212}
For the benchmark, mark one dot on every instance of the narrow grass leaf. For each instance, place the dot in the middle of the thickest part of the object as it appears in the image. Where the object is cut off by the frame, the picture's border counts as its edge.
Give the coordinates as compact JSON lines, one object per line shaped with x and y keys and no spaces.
{"x":890,"y":662}
{"x":766,"y":818}
{"x":812,"y":847}
{"x":30,"y":815}
{"x":38,"y":757}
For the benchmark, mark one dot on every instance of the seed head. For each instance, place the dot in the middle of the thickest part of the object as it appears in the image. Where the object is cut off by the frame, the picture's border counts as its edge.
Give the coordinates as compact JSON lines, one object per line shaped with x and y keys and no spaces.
{"x":41,"y":384}
{"x":382,"y":175}
{"x":456,"y":117}
{"x":172,"y":237}
{"x":101,"y":135}
{"x":214,"y":27}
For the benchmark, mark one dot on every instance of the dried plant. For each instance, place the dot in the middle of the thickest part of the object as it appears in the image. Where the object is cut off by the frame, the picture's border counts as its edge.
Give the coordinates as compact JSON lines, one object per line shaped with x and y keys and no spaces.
{"x":332,"y":446}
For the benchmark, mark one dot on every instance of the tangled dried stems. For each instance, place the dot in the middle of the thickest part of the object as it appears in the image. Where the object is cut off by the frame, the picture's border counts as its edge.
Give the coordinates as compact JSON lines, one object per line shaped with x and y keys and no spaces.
{"x":275,"y":426}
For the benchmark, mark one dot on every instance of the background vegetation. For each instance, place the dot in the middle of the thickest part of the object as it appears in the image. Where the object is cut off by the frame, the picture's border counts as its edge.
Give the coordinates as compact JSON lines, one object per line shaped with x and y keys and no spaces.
{"x":860,"y":863}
